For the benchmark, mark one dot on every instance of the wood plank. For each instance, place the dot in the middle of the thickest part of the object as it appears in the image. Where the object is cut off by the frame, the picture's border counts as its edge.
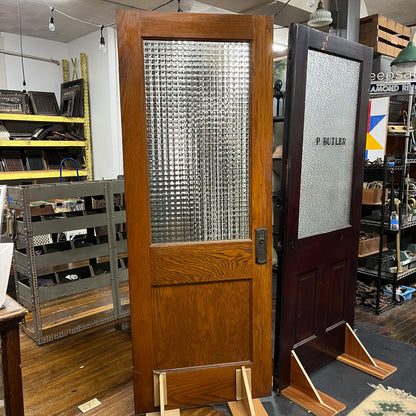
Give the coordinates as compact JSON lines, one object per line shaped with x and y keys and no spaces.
{"x":302,"y":391}
{"x":354,"y":347}
{"x":237,"y":408}
{"x":61,"y":375}
{"x":133,"y":113}
{"x":206,"y":384}
{"x":261,"y":103}
{"x":311,"y":405}
{"x":81,"y":306}
{"x":398,"y":323}
{"x":228,"y":260}
{"x":197,"y":26}
{"x":357,"y":356}
{"x":201,"y":411}
{"x":382,"y":370}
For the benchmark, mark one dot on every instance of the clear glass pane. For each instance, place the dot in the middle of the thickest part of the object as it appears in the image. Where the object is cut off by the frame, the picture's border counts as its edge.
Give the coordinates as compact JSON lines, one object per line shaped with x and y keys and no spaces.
{"x":197,"y":104}
{"x":328,"y":143}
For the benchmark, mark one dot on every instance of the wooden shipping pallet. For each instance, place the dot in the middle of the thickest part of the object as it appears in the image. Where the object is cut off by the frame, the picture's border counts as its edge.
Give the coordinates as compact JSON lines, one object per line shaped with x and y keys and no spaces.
{"x":386,"y":36}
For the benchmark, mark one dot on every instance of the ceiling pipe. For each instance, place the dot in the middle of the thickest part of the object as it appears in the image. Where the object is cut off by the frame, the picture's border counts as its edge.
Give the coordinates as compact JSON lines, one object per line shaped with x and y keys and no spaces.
{"x":346,"y":14}
{"x":38,"y":58}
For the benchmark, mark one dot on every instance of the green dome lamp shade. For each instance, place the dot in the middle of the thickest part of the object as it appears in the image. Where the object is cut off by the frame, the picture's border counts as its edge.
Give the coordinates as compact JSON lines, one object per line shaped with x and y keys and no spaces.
{"x":405,"y":63}
{"x":320,"y":17}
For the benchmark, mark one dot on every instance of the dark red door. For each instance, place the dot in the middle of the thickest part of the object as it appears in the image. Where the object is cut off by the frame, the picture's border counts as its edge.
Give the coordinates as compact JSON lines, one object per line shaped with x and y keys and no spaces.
{"x":324,"y":143}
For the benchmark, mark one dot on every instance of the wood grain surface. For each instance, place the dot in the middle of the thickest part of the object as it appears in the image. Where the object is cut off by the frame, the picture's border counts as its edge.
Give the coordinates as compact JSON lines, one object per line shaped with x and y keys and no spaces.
{"x":181,"y":263}
{"x":206,"y":303}
{"x":61,"y":375}
{"x":208,"y":324}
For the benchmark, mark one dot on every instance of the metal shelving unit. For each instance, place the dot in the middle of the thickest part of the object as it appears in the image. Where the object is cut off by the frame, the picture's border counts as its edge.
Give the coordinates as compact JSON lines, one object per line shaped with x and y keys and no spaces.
{"x":77,"y":282}
{"x":403,"y":92}
{"x":34,"y":121}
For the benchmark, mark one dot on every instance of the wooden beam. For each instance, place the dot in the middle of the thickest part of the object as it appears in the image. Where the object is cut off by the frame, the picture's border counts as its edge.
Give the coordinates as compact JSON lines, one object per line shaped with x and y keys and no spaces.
{"x":358,"y":357}
{"x":302,"y":391}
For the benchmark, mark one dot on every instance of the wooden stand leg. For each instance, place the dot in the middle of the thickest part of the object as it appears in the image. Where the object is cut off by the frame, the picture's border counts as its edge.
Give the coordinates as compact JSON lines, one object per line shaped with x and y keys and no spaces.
{"x":357,"y":356}
{"x":303,"y":392}
{"x":160,"y":390}
{"x":245,"y":405}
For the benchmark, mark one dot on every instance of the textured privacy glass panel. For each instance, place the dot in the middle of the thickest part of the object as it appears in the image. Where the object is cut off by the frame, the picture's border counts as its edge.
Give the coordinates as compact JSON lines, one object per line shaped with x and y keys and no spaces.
{"x":197,"y":105}
{"x":328,"y":143}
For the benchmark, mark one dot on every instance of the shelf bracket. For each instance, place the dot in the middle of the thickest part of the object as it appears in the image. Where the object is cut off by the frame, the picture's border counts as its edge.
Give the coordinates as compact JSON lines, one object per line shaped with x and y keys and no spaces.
{"x":358,"y":357}
{"x":303,"y":392}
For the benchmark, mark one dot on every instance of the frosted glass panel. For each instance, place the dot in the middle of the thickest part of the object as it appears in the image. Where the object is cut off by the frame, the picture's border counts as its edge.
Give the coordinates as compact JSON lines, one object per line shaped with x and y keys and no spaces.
{"x":328,"y":143}
{"x":197,"y":104}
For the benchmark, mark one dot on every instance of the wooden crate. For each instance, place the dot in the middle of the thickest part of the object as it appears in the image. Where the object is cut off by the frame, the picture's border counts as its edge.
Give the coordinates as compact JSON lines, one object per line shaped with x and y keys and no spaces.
{"x":373,"y":196}
{"x":371,"y":246}
{"x":385,"y":36}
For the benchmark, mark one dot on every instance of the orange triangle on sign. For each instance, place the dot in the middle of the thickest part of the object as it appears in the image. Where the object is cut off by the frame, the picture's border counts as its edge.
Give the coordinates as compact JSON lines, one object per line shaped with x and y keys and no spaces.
{"x":372,"y":143}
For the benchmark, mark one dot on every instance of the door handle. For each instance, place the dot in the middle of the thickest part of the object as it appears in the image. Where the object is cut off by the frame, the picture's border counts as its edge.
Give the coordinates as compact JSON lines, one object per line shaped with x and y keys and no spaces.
{"x":261,"y":245}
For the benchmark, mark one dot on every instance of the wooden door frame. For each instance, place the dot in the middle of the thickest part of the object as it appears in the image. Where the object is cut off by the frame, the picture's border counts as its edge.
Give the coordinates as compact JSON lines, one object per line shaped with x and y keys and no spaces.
{"x":133,"y":26}
{"x":301,"y":39}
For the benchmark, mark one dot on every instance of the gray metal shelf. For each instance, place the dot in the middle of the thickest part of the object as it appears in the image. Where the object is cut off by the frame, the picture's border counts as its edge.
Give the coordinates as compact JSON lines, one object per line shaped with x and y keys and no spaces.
{"x":64,"y":273}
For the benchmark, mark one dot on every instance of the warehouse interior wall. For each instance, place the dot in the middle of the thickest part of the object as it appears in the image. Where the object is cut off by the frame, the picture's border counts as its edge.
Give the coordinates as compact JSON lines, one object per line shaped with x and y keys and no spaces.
{"x":40,"y":76}
{"x":104,"y":102}
{"x":2,"y":67}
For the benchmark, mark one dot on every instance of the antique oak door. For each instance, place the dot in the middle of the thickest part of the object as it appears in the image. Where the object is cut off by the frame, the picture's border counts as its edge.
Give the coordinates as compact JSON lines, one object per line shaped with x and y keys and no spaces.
{"x":196,"y":94}
{"x":324,"y":143}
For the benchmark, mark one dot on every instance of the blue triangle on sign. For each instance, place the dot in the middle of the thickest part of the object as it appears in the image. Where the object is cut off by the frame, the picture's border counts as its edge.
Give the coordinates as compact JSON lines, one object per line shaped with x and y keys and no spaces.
{"x":374,"y":120}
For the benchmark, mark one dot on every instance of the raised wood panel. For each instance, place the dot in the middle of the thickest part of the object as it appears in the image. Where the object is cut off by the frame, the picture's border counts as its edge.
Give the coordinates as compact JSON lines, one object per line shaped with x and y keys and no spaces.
{"x":208,"y":324}
{"x":336,"y":292}
{"x":182,"y":263}
{"x":205,"y":386}
{"x":306,"y":293}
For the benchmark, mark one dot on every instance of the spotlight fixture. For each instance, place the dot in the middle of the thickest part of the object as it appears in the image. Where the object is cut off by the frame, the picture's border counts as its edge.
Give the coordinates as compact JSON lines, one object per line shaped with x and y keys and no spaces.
{"x":320,"y":17}
{"x":51,"y":21}
{"x":102,"y":47}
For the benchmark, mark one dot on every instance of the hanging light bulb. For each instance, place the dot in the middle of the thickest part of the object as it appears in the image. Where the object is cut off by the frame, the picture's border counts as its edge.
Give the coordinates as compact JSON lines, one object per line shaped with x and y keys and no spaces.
{"x":102,"y":47}
{"x":320,"y":17}
{"x":51,"y":21}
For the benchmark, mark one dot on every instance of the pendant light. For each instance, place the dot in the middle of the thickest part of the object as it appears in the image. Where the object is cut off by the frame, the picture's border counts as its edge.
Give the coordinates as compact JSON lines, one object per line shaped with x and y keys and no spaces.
{"x":320,"y":17}
{"x":404,"y":66}
{"x":51,"y":21}
{"x":102,"y":48}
